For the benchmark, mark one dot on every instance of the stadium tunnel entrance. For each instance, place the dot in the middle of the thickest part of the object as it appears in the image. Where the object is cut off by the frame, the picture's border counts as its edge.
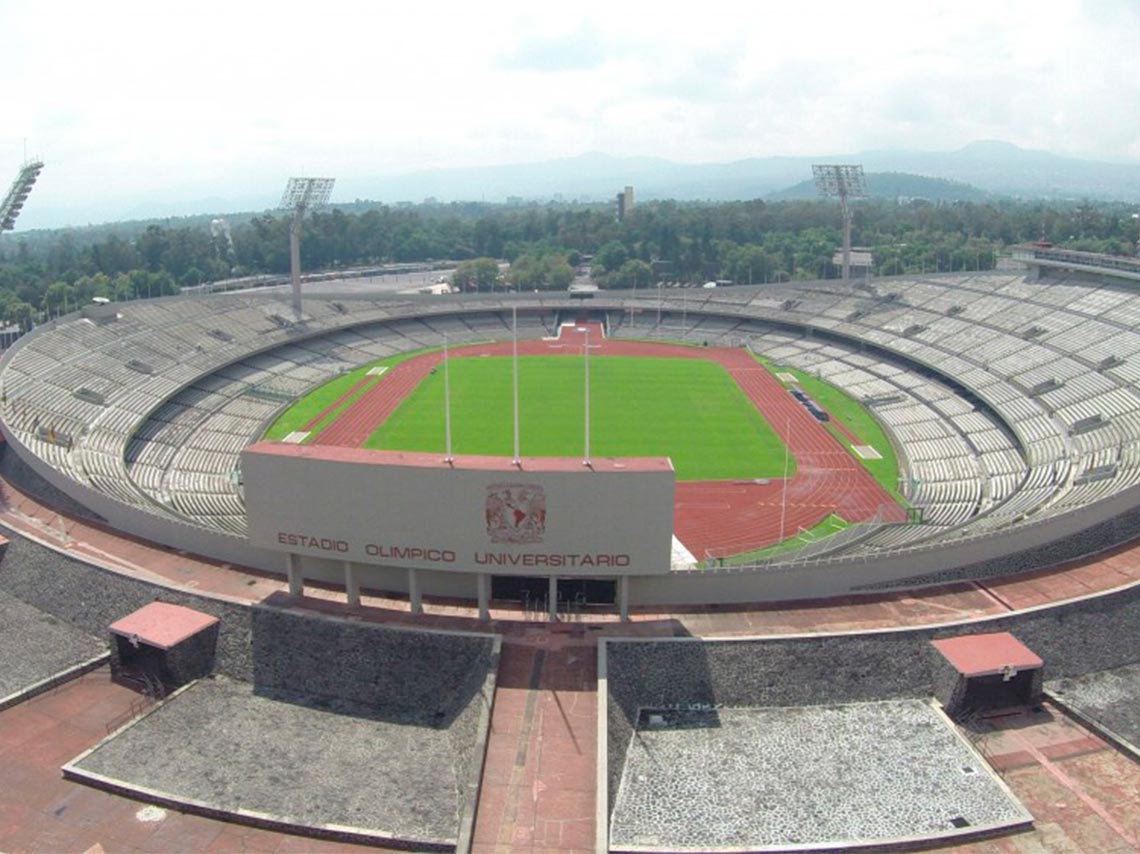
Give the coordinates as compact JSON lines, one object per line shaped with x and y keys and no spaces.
{"x":583,"y":317}
{"x":532,"y":590}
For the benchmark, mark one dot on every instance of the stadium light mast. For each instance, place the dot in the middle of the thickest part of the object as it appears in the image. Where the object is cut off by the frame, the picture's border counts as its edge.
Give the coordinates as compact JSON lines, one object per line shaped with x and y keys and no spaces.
{"x":586,"y":353}
{"x":302,"y":194}
{"x":449,"y":458}
{"x":845,"y":182}
{"x":17,"y":194}
{"x":516,"y":460}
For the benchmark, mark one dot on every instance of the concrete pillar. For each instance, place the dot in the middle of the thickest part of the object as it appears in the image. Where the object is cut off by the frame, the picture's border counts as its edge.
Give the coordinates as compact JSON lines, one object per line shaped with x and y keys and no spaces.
{"x":351,"y":584}
{"x":552,"y":599}
{"x":293,"y":574}
{"x":483,"y":594}
{"x":623,"y":597}
{"x":414,"y":592}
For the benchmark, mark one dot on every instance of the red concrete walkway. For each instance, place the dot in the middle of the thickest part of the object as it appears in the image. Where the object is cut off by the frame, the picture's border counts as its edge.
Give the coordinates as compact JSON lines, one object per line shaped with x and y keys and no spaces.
{"x":538,"y":780}
{"x":1084,"y":795}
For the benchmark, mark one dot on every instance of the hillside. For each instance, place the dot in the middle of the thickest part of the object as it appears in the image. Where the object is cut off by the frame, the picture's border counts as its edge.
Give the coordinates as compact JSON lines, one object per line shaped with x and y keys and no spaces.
{"x":896,"y":185}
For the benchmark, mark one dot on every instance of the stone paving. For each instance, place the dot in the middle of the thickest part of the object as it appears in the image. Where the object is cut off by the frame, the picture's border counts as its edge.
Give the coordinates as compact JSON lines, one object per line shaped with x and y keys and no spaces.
{"x":809,"y":775}
{"x":35,"y":646}
{"x":220,"y":744}
{"x":1110,"y":699}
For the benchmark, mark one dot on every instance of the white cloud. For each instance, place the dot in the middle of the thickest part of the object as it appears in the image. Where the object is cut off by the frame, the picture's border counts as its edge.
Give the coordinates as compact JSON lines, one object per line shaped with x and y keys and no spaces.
{"x":130,"y":100}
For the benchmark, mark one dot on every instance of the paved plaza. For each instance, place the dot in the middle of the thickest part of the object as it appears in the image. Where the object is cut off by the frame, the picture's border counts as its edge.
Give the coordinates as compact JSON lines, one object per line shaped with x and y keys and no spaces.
{"x":733,"y":778}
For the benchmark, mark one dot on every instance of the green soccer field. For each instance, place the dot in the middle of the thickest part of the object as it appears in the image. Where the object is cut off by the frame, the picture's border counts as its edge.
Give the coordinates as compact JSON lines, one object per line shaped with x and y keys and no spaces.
{"x":690,"y":410}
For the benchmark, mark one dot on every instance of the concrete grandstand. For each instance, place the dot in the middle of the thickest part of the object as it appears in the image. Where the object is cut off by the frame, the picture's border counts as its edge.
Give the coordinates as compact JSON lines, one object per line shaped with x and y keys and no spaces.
{"x":1012,"y":404}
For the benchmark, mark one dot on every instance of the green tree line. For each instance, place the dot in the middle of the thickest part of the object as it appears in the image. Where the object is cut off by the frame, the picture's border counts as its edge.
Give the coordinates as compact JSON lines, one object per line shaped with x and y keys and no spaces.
{"x":744,"y":242}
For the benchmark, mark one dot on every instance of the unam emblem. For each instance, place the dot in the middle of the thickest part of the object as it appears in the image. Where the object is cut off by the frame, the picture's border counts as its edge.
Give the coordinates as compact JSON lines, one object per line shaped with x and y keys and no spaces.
{"x":516,"y":512}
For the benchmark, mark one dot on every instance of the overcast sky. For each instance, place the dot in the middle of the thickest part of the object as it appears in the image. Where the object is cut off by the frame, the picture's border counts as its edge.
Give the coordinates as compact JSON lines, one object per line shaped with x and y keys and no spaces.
{"x":129,"y":102}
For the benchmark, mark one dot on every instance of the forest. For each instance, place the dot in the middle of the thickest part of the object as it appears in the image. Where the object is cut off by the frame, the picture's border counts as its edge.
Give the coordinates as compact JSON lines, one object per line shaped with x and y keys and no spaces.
{"x":46,"y":273}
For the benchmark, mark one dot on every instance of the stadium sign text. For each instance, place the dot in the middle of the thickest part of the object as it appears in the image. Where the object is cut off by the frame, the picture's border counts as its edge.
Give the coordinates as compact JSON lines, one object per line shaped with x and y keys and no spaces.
{"x":554,"y":560}
{"x":324,"y":544}
{"x":427,"y":554}
{"x":410,"y":553}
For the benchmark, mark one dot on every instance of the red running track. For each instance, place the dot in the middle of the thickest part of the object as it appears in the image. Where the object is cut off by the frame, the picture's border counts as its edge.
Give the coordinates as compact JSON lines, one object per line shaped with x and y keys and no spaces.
{"x":718,"y":518}
{"x":712,"y":518}
{"x":360,"y":420}
{"x":331,"y":408}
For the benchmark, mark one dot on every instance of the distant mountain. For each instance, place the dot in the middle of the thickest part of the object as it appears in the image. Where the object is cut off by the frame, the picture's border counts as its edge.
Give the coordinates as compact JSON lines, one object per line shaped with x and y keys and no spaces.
{"x":588,"y":177}
{"x":999,"y":167}
{"x":989,"y":166}
{"x":897,"y":185}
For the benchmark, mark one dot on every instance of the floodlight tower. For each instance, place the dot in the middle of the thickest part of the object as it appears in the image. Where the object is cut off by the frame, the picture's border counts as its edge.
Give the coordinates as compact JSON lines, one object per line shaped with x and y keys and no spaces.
{"x":18,"y":194}
{"x":845,"y":182}
{"x":300,"y":195}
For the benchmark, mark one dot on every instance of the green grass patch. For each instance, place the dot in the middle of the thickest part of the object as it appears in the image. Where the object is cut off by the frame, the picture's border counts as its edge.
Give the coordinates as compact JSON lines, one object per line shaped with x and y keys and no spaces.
{"x":690,"y":410}
{"x":832,"y":524}
{"x":306,"y":408}
{"x":854,"y":416}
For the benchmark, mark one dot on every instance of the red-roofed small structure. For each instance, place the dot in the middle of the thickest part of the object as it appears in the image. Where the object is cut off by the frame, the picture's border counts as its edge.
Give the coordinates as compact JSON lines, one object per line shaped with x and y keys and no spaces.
{"x":162,"y":644}
{"x":162,"y":625}
{"x":985,"y":655}
{"x":976,"y":673}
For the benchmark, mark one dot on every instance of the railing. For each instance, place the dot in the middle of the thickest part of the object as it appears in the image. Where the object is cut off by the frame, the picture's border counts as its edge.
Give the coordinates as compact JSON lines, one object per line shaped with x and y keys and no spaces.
{"x":811,"y":552}
{"x":154,"y":691}
{"x":1085,"y":260}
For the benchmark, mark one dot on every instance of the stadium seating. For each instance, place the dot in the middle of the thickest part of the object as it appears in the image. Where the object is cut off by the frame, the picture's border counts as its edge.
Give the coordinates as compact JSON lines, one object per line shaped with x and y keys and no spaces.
{"x":1010,"y":401}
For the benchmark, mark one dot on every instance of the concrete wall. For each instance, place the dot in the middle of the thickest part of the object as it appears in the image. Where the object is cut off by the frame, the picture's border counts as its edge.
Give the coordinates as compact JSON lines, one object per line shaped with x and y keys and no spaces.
{"x":1084,"y":531}
{"x":414,"y":510}
{"x":15,"y":469}
{"x":1122,"y":525}
{"x":425,"y":675}
{"x":444,"y":680}
{"x":1088,"y":530}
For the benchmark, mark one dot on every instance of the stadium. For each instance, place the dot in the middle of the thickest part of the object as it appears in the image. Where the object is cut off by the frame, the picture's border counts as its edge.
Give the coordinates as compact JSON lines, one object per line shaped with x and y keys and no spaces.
{"x":1006,"y":403}
{"x":1010,"y":403}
